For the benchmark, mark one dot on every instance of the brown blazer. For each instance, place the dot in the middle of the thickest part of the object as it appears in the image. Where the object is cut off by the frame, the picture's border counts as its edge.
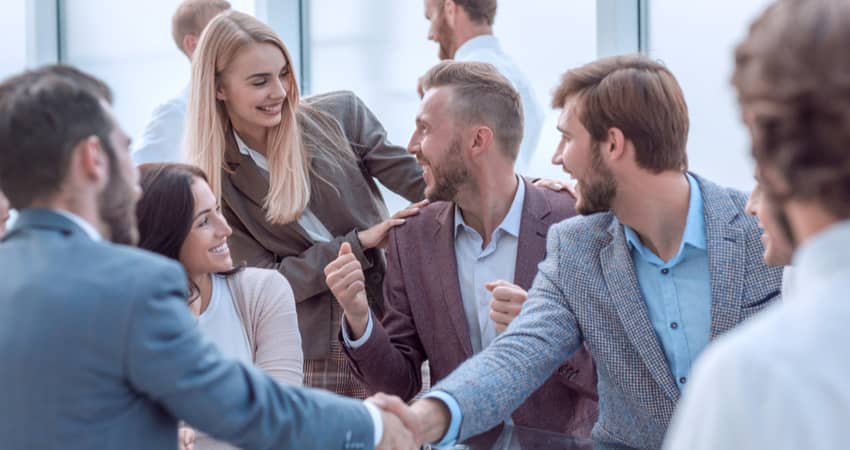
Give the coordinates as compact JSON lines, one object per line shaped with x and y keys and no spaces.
{"x":425,"y":317}
{"x":353,"y":203}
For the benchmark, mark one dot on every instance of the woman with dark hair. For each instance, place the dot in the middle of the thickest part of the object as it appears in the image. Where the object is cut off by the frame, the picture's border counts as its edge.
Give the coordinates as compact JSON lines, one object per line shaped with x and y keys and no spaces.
{"x":248,"y":313}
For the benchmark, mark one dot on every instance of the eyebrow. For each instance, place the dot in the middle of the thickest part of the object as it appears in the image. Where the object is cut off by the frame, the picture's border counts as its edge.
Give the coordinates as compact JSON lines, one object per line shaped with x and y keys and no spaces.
{"x":562,"y":130}
{"x":265,"y":74}
{"x":208,"y":210}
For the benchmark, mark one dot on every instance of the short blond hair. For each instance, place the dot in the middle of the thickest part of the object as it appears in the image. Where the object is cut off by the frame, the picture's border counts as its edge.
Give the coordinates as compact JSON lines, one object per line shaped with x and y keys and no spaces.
{"x":192,"y":16}
{"x":482,"y":95}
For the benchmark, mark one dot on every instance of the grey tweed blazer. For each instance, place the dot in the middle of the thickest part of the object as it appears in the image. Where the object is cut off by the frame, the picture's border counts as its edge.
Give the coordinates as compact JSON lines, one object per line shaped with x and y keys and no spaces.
{"x":586,"y":291}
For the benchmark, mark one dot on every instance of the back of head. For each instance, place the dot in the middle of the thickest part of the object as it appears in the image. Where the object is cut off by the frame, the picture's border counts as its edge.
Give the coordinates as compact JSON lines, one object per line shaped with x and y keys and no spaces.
{"x":482,"y":12}
{"x":44,"y":114}
{"x":793,"y":81}
{"x":192,"y":16}
{"x":480,"y":95}
{"x":638,"y":96}
{"x":166,"y":209}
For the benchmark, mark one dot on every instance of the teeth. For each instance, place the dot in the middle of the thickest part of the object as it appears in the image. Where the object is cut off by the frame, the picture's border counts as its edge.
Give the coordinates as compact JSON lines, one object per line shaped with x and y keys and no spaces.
{"x":219,"y":249}
{"x":270,"y":109}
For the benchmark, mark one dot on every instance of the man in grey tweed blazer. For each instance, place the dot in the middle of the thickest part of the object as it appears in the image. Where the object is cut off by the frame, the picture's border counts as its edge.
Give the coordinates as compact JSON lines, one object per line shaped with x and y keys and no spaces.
{"x":661,"y":262}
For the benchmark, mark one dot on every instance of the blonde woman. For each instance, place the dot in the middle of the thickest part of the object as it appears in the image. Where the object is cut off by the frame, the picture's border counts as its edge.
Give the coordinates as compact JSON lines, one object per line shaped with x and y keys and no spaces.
{"x":295,"y":176}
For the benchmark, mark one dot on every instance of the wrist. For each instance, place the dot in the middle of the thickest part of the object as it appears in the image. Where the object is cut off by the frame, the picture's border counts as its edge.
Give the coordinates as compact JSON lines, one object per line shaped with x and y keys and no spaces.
{"x":357,"y":324}
{"x":435,"y":417}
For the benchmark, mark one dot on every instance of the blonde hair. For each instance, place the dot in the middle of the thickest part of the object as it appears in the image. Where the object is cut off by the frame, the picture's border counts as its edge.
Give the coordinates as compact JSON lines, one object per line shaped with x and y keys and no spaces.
{"x":301,"y":128}
{"x":192,"y":16}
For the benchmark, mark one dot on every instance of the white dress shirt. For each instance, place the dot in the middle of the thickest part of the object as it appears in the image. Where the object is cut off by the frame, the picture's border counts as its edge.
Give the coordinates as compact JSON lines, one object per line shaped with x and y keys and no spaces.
{"x":486,"y":48}
{"x":221,"y":324}
{"x":779,"y":381}
{"x":162,"y":140}
{"x":88,"y":228}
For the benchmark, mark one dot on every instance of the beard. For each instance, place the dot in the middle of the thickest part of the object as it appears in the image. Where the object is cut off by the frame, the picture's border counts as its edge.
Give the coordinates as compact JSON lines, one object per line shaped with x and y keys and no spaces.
{"x":597,"y":194}
{"x":118,"y":204}
{"x":444,"y":34}
{"x":450,"y":176}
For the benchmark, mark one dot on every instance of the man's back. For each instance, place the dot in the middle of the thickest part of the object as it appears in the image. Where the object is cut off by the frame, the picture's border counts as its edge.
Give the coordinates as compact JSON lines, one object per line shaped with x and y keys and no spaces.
{"x":99,"y":350}
{"x":66,"y":310}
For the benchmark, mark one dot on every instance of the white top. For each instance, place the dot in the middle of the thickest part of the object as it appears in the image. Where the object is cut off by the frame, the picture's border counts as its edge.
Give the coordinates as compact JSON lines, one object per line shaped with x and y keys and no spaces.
{"x":780,"y":381}
{"x":220,"y":323}
{"x":308,"y":221}
{"x":162,"y":140}
{"x":486,"y":48}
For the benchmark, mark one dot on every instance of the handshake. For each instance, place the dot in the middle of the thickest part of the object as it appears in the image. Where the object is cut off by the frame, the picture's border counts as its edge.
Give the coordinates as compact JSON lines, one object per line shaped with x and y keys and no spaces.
{"x":410,"y":427}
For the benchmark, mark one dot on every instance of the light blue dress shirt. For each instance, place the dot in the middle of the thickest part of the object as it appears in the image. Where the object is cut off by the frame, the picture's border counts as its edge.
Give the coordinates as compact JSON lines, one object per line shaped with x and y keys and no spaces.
{"x":676,"y":292}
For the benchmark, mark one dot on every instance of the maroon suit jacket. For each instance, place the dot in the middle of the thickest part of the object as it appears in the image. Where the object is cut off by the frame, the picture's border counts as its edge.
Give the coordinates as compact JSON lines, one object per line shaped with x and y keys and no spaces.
{"x":425,"y":319}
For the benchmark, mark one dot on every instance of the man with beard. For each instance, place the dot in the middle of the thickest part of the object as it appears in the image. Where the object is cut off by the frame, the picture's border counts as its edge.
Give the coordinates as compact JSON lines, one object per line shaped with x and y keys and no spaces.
{"x":780,"y":381}
{"x":99,"y":349}
{"x":446,"y":286}
{"x":660,"y":262}
{"x":464,"y":31}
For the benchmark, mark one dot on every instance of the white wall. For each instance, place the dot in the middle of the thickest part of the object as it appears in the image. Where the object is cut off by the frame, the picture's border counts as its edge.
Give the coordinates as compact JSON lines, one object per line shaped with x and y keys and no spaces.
{"x":13,"y":47}
{"x":696,"y":40}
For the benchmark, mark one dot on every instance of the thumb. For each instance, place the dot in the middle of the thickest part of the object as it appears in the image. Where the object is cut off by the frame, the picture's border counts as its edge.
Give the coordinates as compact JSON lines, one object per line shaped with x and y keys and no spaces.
{"x":344,"y":249}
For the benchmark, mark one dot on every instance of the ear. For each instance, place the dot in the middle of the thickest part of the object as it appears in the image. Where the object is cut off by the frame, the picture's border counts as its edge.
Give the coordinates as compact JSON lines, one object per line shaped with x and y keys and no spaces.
{"x":220,"y":93}
{"x":616,"y":146}
{"x":190,"y":43}
{"x":482,"y":141}
{"x":92,"y":160}
{"x":450,"y":11}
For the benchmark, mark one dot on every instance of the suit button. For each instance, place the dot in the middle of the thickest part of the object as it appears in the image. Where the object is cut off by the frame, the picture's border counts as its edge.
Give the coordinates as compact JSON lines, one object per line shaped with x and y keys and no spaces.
{"x":683,"y":380}
{"x":674,"y":325}
{"x":665,"y":271}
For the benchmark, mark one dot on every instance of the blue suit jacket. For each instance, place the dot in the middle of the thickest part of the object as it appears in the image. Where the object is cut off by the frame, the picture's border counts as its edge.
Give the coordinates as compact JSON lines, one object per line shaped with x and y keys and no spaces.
{"x":586,"y":291}
{"x":98,"y":350}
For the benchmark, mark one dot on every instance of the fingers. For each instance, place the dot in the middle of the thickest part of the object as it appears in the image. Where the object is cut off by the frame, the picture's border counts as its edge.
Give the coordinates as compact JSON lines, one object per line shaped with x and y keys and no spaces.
{"x":411,"y":210}
{"x":396,"y":436}
{"x":339,"y":262}
{"x":400,"y":410}
{"x":504,"y":291}
{"x":508,"y":308}
{"x":343,"y":272}
{"x":501,"y":320}
{"x":345,"y":249}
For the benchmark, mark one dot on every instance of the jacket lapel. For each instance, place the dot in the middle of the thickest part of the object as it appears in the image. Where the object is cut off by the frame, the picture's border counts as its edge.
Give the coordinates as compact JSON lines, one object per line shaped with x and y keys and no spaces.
{"x":444,"y":251}
{"x":726,"y":251}
{"x":619,"y":272}
{"x":44,"y":219}
{"x":531,"y":245}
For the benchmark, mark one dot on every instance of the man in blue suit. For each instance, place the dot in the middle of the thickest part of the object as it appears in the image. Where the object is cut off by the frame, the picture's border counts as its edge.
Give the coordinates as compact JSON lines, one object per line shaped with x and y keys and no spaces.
{"x":97,"y":347}
{"x":662,"y":262}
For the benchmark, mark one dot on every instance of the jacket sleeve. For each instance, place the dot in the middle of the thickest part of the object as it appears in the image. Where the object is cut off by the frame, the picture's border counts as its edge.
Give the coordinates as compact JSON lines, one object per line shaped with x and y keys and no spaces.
{"x":305,"y":271}
{"x":391,"y":164}
{"x":277,"y":339}
{"x":167,"y":360}
{"x":390,"y":360}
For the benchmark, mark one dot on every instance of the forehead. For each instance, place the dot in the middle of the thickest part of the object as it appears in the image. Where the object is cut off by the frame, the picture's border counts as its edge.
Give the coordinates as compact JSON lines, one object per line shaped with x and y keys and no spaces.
{"x":432,"y":7}
{"x":204,"y":198}
{"x":436,"y":103}
{"x":569,"y":114}
{"x":259,"y":57}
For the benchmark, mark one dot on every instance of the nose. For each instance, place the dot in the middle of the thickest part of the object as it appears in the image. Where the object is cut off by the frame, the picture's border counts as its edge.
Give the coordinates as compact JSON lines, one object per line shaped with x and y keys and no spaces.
{"x":558,"y":156}
{"x":223,"y":228}
{"x":413,"y":146}
{"x":279,"y":89}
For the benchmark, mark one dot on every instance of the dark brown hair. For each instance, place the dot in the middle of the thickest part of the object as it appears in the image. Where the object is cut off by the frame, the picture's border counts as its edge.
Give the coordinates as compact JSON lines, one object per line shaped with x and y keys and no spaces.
{"x":640,"y":97}
{"x":44,"y":114}
{"x":792,"y":76}
{"x":479,"y":11}
{"x":166,"y":209}
{"x":481,"y":95}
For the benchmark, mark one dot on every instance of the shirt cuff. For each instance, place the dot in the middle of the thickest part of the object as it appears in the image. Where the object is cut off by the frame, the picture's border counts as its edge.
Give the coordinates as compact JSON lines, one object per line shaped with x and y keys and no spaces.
{"x":362,"y":340}
{"x":453,"y":433}
{"x":377,"y":421}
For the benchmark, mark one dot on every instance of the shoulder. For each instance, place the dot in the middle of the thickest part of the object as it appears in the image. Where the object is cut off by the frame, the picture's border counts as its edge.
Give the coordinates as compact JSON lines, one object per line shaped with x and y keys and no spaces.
{"x":261,"y":286}
{"x":561,"y":204}
{"x":334,"y":101}
{"x":139,"y":275}
{"x":584,"y":228}
{"x":429,"y":216}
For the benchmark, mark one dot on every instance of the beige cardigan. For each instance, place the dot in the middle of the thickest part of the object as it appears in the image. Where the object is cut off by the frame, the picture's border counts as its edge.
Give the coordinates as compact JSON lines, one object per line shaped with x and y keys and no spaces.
{"x":266,"y":308}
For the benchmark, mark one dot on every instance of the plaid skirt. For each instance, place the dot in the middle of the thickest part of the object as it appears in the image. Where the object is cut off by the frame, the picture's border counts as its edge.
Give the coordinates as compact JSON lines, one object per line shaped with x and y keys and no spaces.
{"x":333,"y":373}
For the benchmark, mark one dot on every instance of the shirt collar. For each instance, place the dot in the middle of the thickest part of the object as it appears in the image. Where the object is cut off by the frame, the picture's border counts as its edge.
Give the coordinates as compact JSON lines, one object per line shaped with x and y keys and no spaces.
{"x":511,"y":223}
{"x":485,"y":41}
{"x":820,"y":256}
{"x":78,"y":221}
{"x":694,"y":234}
{"x":256,"y":156}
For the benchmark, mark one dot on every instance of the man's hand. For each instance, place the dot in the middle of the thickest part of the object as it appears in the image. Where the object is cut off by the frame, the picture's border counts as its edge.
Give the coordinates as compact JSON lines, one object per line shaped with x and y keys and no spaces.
{"x":428,"y":418}
{"x":376,"y":236}
{"x":186,"y":438}
{"x":507,"y":302}
{"x":401,"y":426}
{"x":555,"y":185}
{"x":345,"y":278}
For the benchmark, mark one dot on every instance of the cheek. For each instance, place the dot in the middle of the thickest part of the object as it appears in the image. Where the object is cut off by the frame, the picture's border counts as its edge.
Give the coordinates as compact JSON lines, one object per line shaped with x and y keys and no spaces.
{"x":192,"y":251}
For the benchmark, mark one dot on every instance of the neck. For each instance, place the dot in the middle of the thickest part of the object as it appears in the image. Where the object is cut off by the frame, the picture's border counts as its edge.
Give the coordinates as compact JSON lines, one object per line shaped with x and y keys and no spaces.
{"x":254,"y":137}
{"x":464,"y":34}
{"x":656,"y":208}
{"x":204,"y":284}
{"x":84,"y":208}
{"x":487,"y":201}
{"x":807,"y":220}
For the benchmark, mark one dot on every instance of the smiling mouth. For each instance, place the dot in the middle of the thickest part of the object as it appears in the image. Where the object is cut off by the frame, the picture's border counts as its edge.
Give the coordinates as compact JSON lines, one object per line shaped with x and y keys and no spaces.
{"x":220,"y":249}
{"x":271,"y":109}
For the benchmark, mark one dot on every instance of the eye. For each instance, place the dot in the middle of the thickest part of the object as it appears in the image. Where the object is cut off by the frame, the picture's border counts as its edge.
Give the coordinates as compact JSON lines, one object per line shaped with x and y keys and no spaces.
{"x":259,"y":82}
{"x":204,"y":222}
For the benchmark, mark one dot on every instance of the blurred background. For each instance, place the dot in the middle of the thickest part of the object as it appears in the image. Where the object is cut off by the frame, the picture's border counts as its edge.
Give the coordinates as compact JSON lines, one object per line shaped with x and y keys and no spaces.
{"x":378,"y":49}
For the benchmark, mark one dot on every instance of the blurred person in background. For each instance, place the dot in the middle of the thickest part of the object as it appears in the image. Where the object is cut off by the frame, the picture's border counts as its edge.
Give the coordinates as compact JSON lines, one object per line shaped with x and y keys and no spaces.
{"x":295,"y":178}
{"x":5,"y":213}
{"x":463,"y":29}
{"x":162,"y":140}
{"x":248,"y":313}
